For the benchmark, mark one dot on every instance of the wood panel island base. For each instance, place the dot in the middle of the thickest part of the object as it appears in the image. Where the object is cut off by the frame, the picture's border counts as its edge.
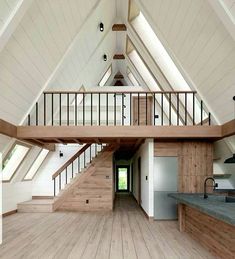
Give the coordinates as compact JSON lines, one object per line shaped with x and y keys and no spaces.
{"x":214,"y":234}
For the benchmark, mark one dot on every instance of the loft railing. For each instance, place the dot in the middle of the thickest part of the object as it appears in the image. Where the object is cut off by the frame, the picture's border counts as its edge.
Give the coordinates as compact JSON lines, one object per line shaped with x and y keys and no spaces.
{"x":119,"y":108}
{"x":74,"y":166}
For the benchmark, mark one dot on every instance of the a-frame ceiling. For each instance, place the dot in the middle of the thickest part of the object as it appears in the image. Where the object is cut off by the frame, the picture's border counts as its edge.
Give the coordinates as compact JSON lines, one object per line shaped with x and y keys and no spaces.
{"x":58,"y":45}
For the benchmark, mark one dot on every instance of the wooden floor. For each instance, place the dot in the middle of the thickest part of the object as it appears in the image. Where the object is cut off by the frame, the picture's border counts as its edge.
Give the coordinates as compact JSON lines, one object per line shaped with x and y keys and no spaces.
{"x":125,"y":233}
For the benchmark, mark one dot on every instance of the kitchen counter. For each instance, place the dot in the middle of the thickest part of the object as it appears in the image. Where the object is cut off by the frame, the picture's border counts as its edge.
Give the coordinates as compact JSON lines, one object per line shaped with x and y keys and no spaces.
{"x":210,"y":221}
{"x":214,"y":205}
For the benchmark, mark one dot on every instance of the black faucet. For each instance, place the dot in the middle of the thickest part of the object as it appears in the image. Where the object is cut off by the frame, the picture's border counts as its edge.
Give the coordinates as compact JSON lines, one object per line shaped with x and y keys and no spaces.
{"x":205,"y":185}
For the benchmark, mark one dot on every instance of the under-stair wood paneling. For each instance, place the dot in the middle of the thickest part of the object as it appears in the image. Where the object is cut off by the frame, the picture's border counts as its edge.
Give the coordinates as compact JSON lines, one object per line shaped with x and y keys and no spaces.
{"x":195,"y":162}
{"x":140,"y":109}
{"x":214,"y":234}
{"x":93,"y":190}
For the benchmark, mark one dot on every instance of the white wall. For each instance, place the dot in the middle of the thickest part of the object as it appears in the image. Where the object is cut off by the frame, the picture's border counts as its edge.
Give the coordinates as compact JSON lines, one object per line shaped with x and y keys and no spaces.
{"x":42,"y":184}
{"x":146,"y":152}
{"x":17,"y":190}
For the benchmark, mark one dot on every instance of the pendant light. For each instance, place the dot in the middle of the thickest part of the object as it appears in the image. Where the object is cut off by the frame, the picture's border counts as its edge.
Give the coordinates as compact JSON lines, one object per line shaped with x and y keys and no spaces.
{"x":231,"y":160}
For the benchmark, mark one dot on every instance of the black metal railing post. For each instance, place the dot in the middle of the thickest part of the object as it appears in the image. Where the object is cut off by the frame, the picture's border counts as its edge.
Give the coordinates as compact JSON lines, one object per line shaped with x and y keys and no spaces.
{"x":36,"y":113}
{"x":60,"y":109}
{"x":185,"y":108}
{"x":201,"y":112}
{"x":54,"y":187}
{"x":52,"y":109}
{"x":76,"y":109}
{"x":162,"y":114}
{"x":68,"y":105}
{"x":44,"y":108}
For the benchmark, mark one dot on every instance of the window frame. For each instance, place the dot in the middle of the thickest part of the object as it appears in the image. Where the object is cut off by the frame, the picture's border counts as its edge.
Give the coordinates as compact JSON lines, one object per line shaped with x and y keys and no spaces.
{"x":17,"y":142}
{"x":110,"y":66}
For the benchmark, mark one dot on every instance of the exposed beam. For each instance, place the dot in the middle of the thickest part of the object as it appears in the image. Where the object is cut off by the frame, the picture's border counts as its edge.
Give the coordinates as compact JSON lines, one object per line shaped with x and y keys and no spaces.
{"x":228,"y":129}
{"x":102,"y":132}
{"x":8,"y":129}
{"x":119,"y":56}
{"x":13,"y":21}
{"x":119,"y":76}
{"x":119,"y":27}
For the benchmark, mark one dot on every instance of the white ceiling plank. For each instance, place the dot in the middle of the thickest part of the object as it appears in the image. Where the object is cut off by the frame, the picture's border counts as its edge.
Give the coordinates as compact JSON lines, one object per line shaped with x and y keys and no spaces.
{"x":13,"y":21}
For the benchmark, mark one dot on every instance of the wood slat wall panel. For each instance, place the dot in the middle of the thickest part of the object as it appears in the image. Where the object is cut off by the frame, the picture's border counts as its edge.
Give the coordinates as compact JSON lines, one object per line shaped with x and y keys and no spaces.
{"x":195,"y":162}
{"x":212,"y":233}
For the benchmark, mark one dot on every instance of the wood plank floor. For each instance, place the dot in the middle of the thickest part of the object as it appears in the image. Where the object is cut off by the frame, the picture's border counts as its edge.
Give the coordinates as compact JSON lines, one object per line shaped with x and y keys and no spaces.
{"x":124,"y":233}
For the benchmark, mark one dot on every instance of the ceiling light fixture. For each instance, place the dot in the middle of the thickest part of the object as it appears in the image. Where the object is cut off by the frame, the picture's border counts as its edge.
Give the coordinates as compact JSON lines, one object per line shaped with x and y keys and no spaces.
{"x":101,"y":27}
{"x":105,"y":57}
{"x":231,"y":160}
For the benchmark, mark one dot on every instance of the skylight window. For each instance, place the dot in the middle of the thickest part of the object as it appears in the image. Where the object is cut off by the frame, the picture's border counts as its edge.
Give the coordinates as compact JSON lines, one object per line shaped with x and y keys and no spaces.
{"x":36,"y":165}
{"x":14,"y":159}
{"x":106,"y":77}
{"x":132,"y":78}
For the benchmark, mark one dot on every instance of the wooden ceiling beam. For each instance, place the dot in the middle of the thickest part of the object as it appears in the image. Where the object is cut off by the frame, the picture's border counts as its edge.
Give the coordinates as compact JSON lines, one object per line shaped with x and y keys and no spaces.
{"x":119,"y":27}
{"x":119,"y":56}
{"x":8,"y":129}
{"x":228,"y":129}
{"x":41,"y":144}
{"x":102,"y":132}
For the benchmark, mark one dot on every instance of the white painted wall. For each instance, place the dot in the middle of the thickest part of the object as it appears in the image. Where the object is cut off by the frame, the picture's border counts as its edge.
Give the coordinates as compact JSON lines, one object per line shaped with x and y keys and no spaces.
{"x":42,"y":184}
{"x":17,"y":190}
{"x":146,"y":152}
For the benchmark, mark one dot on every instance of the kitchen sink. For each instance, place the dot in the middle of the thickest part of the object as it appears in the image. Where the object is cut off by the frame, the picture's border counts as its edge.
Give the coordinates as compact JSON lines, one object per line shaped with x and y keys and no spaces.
{"x":229,"y":199}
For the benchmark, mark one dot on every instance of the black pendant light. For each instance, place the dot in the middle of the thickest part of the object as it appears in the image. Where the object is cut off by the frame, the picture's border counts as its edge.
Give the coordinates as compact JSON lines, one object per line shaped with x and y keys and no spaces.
{"x":101,"y":27}
{"x":231,"y":160}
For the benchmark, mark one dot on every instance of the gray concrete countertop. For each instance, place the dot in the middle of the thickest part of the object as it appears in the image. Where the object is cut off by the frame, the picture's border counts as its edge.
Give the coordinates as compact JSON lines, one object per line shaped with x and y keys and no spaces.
{"x":214,"y":205}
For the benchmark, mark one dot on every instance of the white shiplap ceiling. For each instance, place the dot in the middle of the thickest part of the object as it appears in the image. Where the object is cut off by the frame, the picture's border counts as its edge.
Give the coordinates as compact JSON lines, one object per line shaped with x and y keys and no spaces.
{"x":58,"y":45}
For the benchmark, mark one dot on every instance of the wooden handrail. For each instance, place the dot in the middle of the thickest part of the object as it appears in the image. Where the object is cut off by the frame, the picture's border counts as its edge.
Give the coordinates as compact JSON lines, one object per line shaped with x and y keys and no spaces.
{"x":66,"y":164}
{"x":124,"y":92}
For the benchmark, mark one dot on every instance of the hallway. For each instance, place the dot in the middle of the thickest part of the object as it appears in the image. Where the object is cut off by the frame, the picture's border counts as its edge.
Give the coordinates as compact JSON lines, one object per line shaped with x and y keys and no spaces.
{"x":124,"y":233}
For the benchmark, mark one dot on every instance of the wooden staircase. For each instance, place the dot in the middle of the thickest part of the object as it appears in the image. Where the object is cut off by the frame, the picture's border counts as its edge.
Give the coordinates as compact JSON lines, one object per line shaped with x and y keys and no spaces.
{"x":90,"y":190}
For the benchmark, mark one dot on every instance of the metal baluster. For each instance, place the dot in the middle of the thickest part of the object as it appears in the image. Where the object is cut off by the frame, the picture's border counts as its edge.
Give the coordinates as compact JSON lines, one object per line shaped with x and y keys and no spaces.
{"x":44,"y":102}
{"x":36,"y":113}
{"x":178,"y":115}
{"x":68,"y":109}
{"x":28,"y":119}
{"x":99,"y":108}
{"x":91,"y":109}
{"x":201,"y":112}
{"x":122,"y":109}
{"x":54,"y":187}
{"x":76,"y":109}
{"x":185,"y":115}
{"x":60,"y":181}
{"x":79,"y":164}
{"x":154,"y":108}
{"x":193,"y":108}
{"x":138,"y":108}
{"x":90,"y":153}
{"x":107,"y":110}
{"x":83,"y":108}
{"x":146,"y":109}
{"x":209,"y":118}
{"x":169,"y":108}
{"x":130,"y":108}
{"x":95,"y":149}
{"x":60,"y":109}
{"x":162,"y":109}
{"x":84,"y":158}
{"x":115,"y":103}
{"x":66,"y":175}
{"x":52,"y":109}
{"x":72,"y":169}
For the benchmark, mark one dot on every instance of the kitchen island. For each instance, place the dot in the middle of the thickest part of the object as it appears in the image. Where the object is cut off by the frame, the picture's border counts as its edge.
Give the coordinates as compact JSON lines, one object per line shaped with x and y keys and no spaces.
{"x":211,"y":221}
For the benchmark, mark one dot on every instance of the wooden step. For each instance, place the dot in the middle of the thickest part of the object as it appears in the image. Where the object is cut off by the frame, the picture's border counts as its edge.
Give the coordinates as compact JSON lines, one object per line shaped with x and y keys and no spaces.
{"x":36,"y":205}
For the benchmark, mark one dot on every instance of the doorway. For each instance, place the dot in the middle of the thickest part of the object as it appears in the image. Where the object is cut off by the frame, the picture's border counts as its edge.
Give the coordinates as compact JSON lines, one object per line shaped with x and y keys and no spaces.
{"x":123,"y":179}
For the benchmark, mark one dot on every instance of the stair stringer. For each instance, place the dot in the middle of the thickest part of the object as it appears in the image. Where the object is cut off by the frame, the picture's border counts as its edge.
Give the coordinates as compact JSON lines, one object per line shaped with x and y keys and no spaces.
{"x":92,"y":190}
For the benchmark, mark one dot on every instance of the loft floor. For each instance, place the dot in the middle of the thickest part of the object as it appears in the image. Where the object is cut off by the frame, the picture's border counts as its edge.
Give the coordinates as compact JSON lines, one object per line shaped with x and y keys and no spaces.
{"x":124,"y":233}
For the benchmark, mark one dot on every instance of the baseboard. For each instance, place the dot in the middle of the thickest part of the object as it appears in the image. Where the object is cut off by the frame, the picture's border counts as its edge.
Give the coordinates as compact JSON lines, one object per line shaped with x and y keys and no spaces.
{"x":9,"y":213}
{"x":145,"y":214}
{"x":42,"y":197}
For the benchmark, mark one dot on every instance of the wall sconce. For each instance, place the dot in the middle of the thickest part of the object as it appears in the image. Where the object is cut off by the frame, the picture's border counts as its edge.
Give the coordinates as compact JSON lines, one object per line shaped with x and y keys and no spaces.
{"x":101,"y":27}
{"x":61,"y":154}
{"x":105,"y":57}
